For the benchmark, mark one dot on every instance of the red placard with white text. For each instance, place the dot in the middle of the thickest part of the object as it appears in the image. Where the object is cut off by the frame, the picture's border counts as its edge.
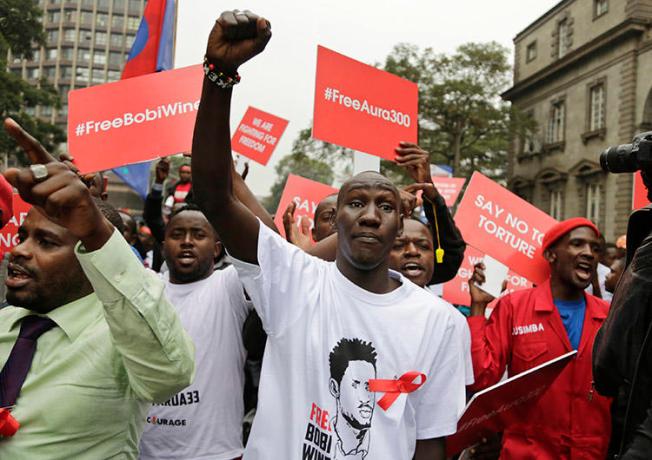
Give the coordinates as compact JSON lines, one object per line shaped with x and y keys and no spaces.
{"x":493,"y":409}
{"x":133,"y":120}
{"x":456,"y":291}
{"x":504,"y":226}
{"x":361,"y":107}
{"x":9,"y":233}
{"x":306,"y":194}
{"x":449,"y":188}
{"x":639,"y":196}
{"x":258,"y":134}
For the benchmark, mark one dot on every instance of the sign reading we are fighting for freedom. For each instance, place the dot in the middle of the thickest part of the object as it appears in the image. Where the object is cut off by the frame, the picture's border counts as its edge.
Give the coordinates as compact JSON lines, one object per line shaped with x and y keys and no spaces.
{"x":306,"y":194}
{"x":258,"y":134}
{"x":361,"y":107}
{"x":504,"y":226}
{"x":449,"y":188}
{"x":133,"y":120}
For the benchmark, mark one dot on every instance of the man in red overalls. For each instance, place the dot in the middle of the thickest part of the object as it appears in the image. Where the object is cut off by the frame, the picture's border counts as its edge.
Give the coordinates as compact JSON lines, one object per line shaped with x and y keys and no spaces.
{"x":570,"y":421}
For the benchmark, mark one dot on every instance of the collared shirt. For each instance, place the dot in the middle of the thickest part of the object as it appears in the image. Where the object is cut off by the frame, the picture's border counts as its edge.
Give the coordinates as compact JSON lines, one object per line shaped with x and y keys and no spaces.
{"x":94,"y":375}
{"x":351,"y":445}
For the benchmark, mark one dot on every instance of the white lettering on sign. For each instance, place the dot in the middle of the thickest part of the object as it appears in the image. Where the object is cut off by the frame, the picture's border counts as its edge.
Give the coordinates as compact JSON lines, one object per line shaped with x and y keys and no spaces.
{"x":527,"y":329}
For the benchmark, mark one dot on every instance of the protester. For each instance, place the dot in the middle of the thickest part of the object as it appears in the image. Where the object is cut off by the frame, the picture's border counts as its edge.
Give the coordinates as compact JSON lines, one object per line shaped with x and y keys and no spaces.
{"x":622,"y":362}
{"x":340,"y":336}
{"x":615,"y":272}
{"x":324,"y":218}
{"x":90,"y":337}
{"x":179,"y":190}
{"x":205,"y":420}
{"x":130,"y":232}
{"x":532,"y":326}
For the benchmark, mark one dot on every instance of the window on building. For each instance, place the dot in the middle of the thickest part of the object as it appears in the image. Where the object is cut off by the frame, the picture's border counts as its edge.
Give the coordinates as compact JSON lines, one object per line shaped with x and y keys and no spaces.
{"x":556,"y":122}
{"x":133,"y":22}
{"x":88,"y":3}
{"x":30,"y":111}
{"x":49,"y":72}
{"x":86,"y":18}
{"x":113,"y":75}
{"x":82,"y":74}
{"x":118,"y":5}
{"x":115,"y":59}
{"x":63,"y":92}
{"x":531,"y":52}
{"x":53,"y":36}
{"x":98,"y":76}
{"x":54,"y":17}
{"x":600,"y":7}
{"x":70,"y":16}
{"x":596,"y":107}
{"x":46,"y":111}
{"x":117,"y":40}
{"x":36,"y":55}
{"x":33,"y":73}
{"x":134,"y":6}
{"x":70,"y":35}
{"x":66,"y":54}
{"x":556,"y":199}
{"x":129,"y":40}
{"x":63,"y":111}
{"x":83,"y":55}
{"x":65,"y":72}
{"x":593,"y":192}
{"x":103,"y":4}
{"x":117,"y":21}
{"x":562,"y":38}
{"x":99,"y":58}
{"x":100,"y":38}
{"x":101,"y":20}
{"x":51,"y":54}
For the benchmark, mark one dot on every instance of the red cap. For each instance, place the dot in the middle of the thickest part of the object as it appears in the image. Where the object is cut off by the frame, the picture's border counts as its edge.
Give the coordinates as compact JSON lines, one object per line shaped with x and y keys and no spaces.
{"x":563,"y":227}
{"x":6,"y":201}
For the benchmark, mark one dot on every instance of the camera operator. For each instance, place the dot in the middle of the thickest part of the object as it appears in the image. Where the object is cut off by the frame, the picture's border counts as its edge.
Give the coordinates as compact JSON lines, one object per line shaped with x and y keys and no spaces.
{"x":622,"y":361}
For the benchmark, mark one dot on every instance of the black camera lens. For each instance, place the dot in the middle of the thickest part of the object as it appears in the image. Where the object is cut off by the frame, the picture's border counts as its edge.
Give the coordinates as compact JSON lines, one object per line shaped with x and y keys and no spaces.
{"x":619,"y":159}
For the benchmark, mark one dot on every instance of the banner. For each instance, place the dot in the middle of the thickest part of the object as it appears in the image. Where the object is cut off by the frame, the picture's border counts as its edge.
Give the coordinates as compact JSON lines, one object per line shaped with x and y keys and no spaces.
{"x":492,"y":409}
{"x":258,"y":134}
{"x":361,"y":107}
{"x":9,"y":233}
{"x":504,"y":226}
{"x":639,"y":195}
{"x":306,"y":194}
{"x":133,"y":120}
{"x":449,"y":188}
{"x":456,"y":291}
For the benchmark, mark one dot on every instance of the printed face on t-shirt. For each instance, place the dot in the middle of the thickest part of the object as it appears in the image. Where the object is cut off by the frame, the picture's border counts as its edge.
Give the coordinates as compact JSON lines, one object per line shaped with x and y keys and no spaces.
{"x":368,"y":220}
{"x":356,"y":401}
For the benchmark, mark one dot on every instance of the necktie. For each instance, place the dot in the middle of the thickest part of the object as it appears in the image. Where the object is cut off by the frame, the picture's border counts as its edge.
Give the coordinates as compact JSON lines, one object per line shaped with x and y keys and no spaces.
{"x":15,"y":371}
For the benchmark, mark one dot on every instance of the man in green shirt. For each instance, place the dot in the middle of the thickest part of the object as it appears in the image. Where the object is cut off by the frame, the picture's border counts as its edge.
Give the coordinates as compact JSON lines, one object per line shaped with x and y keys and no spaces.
{"x":107,"y":344}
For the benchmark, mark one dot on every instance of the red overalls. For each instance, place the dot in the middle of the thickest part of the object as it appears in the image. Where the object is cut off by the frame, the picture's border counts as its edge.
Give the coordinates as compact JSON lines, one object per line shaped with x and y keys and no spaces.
{"x":570,"y":421}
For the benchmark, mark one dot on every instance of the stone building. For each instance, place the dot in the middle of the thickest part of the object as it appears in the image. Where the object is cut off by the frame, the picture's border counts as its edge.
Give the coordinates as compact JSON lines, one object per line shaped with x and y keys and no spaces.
{"x":583,"y":72}
{"x":87,"y":42}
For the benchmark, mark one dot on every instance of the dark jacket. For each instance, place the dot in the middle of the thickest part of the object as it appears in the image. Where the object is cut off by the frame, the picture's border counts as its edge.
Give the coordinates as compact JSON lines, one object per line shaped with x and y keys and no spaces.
{"x":622,"y":357}
{"x":451,"y":240}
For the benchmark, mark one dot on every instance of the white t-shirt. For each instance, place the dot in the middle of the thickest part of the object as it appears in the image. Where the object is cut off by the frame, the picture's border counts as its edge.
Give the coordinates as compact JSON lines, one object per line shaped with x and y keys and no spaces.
{"x":327,"y":337}
{"x":204,"y":421}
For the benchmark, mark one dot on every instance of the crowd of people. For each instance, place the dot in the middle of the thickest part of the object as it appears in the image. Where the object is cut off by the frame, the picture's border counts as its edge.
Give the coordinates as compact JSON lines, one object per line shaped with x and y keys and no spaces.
{"x":165,"y":339}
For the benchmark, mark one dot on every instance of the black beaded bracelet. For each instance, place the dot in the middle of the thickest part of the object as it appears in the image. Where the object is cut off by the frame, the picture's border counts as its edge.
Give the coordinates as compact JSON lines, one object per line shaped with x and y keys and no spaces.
{"x":220,"y":78}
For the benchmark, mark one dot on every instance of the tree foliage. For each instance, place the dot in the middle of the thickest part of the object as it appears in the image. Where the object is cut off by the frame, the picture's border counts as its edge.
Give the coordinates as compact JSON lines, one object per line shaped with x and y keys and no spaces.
{"x":463,"y":122}
{"x":20,"y":31}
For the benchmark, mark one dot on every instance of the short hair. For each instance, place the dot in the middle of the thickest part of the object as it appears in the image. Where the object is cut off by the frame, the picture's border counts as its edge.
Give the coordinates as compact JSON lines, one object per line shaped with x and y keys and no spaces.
{"x":191,"y":207}
{"x":348,"y":350}
{"x":184,"y":165}
{"x":111,"y":214}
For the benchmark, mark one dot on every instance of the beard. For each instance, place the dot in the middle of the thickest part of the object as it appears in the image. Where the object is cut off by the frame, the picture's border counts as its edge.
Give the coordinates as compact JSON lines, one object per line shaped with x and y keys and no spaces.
{"x":355,"y":423}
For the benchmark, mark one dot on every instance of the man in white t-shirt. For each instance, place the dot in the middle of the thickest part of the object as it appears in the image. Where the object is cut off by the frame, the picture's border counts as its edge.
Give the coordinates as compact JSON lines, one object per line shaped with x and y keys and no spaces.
{"x":412,"y":396}
{"x":205,"y":420}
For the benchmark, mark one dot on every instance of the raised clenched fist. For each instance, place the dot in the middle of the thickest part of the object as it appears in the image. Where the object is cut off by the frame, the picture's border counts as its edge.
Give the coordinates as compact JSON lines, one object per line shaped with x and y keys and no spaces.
{"x":237,"y":36}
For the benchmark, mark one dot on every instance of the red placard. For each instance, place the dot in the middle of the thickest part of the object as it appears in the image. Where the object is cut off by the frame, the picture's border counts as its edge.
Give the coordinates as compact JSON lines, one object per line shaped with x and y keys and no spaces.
{"x":492,"y":409}
{"x":361,"y":107}
{"x":504,"y":226}
{"x":306,"y":194}
{"x":258,"y":134}
{"x":449,"y":188}
{"x":9,"y":233}
{"x":639,"y":196}
{"x":133,"y":120}
{"x":456,"y":291}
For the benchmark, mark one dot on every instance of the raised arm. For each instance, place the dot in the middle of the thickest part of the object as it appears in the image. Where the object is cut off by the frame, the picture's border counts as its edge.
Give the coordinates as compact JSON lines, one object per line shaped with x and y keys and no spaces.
{"x":236,"y":37}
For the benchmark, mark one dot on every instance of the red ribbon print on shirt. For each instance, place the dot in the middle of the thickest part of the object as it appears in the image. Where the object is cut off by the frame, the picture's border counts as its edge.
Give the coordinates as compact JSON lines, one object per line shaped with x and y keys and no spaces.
{"x":393,"y":388}
{"x":8,"y":424}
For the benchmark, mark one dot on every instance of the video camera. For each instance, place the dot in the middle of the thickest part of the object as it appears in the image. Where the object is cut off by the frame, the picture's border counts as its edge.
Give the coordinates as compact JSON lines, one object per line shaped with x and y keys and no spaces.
{"x":628,"y":158}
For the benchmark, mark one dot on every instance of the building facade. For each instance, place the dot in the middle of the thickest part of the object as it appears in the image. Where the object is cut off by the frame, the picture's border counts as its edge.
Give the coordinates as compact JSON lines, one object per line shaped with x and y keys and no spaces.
{"x":582,"y":72}
{"x":87,"y":43}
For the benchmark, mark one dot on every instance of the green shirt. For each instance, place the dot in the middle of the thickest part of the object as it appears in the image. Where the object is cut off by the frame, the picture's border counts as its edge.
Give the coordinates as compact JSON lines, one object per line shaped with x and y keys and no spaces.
{"x":94,"y":375}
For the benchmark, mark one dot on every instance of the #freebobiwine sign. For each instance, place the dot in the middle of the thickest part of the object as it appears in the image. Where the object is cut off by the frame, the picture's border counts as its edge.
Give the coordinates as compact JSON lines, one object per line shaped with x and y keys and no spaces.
{"x":361,"y":107}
